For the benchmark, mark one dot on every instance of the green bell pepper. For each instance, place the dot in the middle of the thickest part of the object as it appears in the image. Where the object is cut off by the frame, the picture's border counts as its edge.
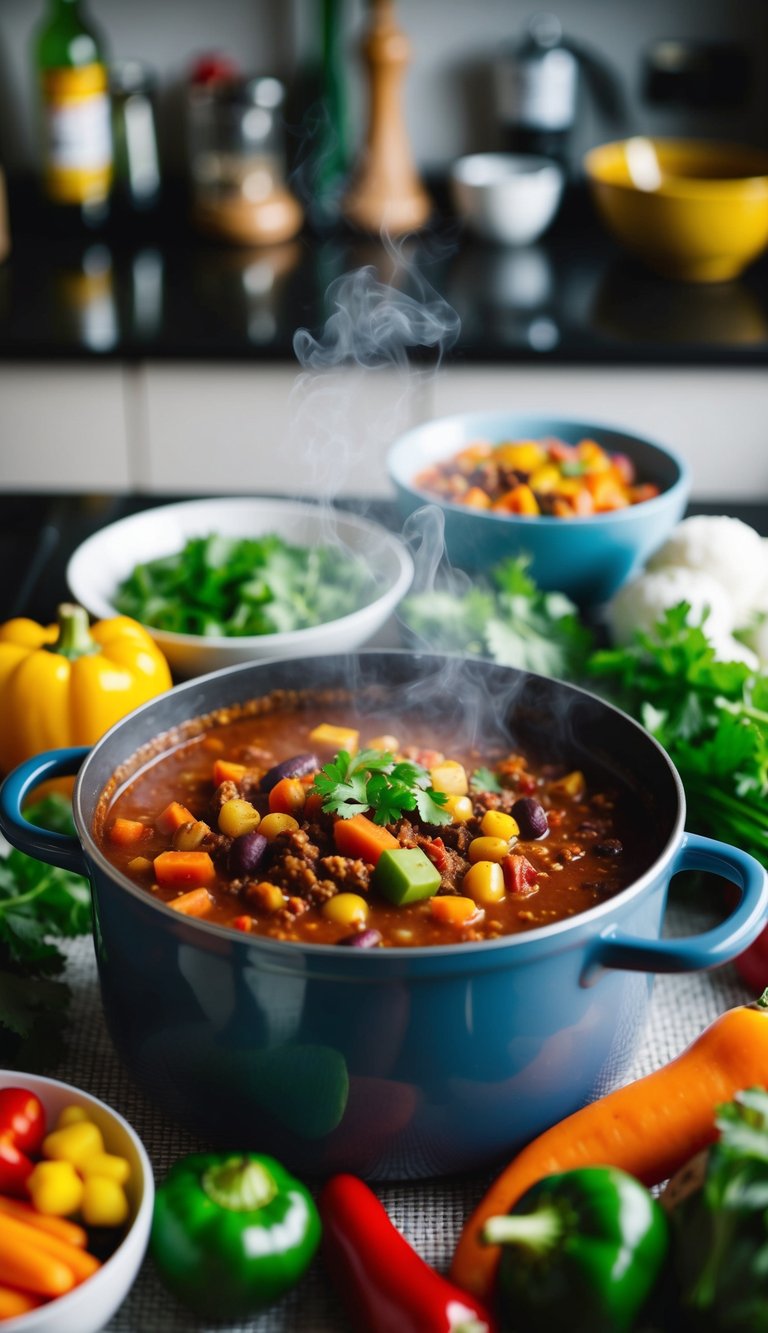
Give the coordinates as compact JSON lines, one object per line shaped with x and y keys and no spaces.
{"x":582,"y":1251}
{"x":232,"y":1233}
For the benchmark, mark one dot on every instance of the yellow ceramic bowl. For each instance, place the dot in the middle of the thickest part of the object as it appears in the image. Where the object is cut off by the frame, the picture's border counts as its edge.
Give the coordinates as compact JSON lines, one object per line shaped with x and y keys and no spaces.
{"x":705,"y":218}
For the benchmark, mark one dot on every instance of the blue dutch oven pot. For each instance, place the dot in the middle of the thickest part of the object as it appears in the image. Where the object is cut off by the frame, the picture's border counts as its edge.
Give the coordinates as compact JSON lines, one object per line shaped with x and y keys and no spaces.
{"x":392,"y":1063}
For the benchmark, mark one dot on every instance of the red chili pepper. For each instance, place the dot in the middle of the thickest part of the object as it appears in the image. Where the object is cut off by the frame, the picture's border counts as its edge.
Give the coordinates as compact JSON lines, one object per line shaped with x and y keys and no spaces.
{"x":435,"y":850}
{"x":22,"y":1118}
{"x":386,"y":1286}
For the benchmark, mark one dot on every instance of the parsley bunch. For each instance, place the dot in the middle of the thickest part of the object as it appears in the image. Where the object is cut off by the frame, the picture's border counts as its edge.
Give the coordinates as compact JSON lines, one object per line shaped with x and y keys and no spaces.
{"x":710,"y":716}
{"x":38,"y":905}
{"x":506,"y":618}
{"x":376,"y":780}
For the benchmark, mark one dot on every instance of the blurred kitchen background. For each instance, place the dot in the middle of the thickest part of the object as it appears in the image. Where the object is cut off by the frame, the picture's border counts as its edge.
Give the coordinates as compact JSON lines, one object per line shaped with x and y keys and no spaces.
{"x":151,"y":349}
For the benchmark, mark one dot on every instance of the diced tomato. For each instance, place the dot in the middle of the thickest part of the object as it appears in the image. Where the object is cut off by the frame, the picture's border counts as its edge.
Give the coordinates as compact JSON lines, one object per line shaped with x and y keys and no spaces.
{"x":435,"y":850}
{"x":520,"y":877}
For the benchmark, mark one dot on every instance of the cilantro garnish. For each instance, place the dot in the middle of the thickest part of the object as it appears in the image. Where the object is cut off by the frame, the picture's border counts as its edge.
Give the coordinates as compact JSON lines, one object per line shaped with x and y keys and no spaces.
{"x":376,"y":781}
{"x":484,"y":779}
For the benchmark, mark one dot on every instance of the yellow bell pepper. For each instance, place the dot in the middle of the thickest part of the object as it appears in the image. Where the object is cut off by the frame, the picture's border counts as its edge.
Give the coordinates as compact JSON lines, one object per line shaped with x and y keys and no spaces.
{"x":66,"y":684}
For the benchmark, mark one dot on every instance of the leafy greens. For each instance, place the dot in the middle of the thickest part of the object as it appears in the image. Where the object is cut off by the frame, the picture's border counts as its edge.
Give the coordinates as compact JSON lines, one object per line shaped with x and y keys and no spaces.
{"x":376,"y":780}
{"x":39,"y":904}
{"x":245,"y":586}
{"x":506,"y":618}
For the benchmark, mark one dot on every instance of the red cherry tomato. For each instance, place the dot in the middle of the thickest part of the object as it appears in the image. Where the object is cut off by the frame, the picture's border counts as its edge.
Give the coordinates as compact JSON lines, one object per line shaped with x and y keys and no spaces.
{"x":22,"y":1119}
{"x":15,"y":1166}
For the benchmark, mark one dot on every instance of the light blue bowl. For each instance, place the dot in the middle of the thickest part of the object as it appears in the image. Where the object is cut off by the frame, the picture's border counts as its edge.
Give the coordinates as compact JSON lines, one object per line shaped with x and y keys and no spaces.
{"x":587,"y":558}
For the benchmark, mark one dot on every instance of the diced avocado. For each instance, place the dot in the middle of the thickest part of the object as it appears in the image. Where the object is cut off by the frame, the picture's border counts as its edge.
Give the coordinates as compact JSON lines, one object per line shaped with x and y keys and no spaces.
{"x":406,"y":875}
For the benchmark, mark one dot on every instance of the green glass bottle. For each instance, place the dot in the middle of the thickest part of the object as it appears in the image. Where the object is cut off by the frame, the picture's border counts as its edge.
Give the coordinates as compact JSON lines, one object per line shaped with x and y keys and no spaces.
{"x":75,"y":109}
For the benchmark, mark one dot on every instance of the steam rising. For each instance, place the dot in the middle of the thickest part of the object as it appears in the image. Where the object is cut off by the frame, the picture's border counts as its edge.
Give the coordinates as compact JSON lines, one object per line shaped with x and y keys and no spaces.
{"x":373,"y":324}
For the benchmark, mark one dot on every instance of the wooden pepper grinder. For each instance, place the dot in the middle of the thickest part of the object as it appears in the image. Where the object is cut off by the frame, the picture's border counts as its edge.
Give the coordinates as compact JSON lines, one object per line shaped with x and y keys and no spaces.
{"x":386,"y":194}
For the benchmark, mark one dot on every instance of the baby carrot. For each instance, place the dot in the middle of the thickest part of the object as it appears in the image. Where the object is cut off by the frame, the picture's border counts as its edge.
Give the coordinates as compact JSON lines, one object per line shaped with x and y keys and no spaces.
{"x":81,"y":1264}
{"x":650,"y":1128}
{"x":24,"y":1264}
{"x":13,"y":1303}
{"x":55,"y":1226}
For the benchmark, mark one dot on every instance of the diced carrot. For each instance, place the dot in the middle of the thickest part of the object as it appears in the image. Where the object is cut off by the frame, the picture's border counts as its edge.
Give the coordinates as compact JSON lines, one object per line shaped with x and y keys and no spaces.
{"x":244,"y":923}
{"x":287,"y":797}
{"x":55,"y":1226}
{"x":13,"y":1303}
{"x":176,"y":869}
{"x":226,"y":770}
{"x":360,"y":837}
{"x":520,"y":500}
{"x":127,"y":831}
{"x":644,"y":491}
{"x":196,"y":902}
{"x":24,"y":1264}
{"x":477,"y":498}
{"x":454,"y":911}
{"x":172,"y":817}
{"x":313,"y":805}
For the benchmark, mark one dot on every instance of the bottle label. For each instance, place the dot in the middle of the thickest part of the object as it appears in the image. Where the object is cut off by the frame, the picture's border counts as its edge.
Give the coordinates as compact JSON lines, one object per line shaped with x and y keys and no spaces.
{"x":78,"y":138}
{"x":540,"y":92}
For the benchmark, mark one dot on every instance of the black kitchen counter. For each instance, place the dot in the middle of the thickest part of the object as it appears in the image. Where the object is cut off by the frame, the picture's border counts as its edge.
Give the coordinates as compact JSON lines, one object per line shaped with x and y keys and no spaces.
{"x":153,"y":290}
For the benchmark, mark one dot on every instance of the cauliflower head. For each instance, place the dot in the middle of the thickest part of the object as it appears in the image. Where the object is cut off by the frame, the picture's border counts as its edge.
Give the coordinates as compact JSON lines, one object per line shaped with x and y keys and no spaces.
{"x":728,"y":551}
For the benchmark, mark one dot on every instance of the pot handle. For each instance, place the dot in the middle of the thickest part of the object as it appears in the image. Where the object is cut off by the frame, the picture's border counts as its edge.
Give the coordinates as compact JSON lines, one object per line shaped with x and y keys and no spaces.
{"x":57,"y":849}
{"x":693,"y":953}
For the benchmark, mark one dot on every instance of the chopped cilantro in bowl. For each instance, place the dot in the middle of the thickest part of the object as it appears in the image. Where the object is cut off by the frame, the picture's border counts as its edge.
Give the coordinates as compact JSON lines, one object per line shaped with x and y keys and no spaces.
{"x":237,"y":587}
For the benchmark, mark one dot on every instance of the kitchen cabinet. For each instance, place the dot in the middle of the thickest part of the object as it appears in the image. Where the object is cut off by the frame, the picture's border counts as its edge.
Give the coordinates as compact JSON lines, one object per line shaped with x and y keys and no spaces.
{"x":65,"y":427}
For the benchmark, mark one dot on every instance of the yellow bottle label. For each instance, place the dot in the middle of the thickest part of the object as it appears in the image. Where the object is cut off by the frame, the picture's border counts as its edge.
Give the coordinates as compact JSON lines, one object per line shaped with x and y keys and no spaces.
{"x":78,"y":137}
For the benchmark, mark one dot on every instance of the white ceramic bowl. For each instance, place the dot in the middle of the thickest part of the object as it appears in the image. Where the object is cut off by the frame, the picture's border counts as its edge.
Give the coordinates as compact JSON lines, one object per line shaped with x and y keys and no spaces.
{"x":91,"y":1305}
{"x":106,"y":558}
{"x":506,"y":197}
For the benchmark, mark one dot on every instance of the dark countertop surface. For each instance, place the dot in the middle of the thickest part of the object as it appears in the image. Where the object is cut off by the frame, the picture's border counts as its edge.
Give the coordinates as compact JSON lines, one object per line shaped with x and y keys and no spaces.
{"x":154,"y":290}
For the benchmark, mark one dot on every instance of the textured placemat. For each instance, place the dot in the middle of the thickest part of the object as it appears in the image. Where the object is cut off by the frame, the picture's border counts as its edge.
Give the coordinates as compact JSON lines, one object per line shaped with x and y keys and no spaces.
{"x":430,"y":1213}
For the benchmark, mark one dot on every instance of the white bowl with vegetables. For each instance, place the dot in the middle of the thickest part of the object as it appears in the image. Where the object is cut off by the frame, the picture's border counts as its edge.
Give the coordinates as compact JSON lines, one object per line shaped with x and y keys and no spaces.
{"x":32,"y":1258}
{"x":223,"y":581}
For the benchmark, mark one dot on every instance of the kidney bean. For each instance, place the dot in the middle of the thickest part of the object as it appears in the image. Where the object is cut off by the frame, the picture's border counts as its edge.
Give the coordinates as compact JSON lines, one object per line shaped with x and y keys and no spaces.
{"x":362,"y":939}
{"x":297,"y":767}
{"x":246,"y":853}
{"x":609,"y":847}
{"x":531,"y":817}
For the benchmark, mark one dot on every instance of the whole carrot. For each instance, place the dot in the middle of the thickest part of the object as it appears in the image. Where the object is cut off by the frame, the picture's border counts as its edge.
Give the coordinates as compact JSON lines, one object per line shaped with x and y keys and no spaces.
{"x":55,"y":1226}
{"x":14,"y":1303}
{"x":20,"y":1234}
{"x":650,"y":1128}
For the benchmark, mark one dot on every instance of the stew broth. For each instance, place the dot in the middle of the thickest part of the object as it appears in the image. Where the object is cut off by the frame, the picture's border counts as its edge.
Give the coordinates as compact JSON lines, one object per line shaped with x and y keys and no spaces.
{"x":192,"y":800}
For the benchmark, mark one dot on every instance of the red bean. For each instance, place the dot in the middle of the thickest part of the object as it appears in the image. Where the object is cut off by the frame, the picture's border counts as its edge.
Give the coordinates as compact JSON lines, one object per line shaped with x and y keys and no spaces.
{"x":531,"y":817}
{"x":246,"y":853}
{"x":297,"y":767}
{"x":362,"y":939}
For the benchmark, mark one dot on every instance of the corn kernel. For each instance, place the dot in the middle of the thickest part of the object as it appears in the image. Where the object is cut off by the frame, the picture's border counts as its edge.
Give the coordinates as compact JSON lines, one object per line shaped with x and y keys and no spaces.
{"x":266,"y":897}
{"x":488,"y":849}
{"x":522,"y":455}
{"x":450,"y":777}
{"x":74,"y":1143}
{"x":572,"y":784}
{"x":272,"y":825}
{"x":545,"y":479}
{"x":496,"y":824}
{"x":104,"y":1202}
{"x":237,"y":817}
{"x":484,"y":882}
{"x":55,"y":1188}
{"x":460,"y":808}
{"x":332,"y":739}
{"x":107,"y":1164}
{"x":346,"y":909}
